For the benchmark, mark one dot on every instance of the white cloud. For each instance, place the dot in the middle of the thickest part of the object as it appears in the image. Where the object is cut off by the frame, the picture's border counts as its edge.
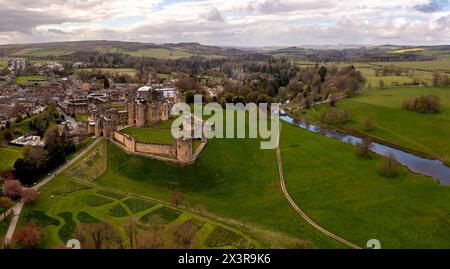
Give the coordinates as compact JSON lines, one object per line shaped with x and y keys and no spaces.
{"x":232,"y":22}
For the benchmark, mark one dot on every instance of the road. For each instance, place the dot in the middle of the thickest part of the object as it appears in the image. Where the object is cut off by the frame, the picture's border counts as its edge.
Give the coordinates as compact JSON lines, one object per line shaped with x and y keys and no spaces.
{"x":299,"y":210}
{"x":17,"y":209}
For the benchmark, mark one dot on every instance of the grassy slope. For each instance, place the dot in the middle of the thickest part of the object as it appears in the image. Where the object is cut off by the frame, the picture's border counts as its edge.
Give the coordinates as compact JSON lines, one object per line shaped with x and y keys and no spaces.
{"x":344,"y":193}
{"x":423,"y":132}
{"x":234,"y":179}
{"x":160,"y":53}
{"x":8,"y":155}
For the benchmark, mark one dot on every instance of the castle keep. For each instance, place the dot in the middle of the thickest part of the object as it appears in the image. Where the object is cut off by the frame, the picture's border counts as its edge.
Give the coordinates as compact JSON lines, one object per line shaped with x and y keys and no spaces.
{"x":148,"y":106}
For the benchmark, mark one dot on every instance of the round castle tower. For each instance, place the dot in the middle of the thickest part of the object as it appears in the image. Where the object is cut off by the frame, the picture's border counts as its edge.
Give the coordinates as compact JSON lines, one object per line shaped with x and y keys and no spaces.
{"x":184,"y":149}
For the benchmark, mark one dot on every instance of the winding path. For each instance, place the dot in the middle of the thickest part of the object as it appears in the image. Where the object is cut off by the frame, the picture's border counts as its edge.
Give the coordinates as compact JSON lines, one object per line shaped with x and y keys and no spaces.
{"x":299,"y":210}
{"x":17,"y":209}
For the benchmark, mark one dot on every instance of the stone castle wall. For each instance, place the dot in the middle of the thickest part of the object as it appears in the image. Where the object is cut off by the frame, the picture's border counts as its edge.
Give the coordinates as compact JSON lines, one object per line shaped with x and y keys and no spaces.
{"x":150,"y":148}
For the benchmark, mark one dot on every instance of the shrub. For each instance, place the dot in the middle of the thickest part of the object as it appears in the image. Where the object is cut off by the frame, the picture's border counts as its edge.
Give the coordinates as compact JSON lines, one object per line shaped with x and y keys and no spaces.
{"x":40,"y":218}
{"x":137,"y":205}
{"x":334,"y":116}
{"x":364,"y":147}
{"x":423,"y":103}
{"x":95,"y":200}
{"x":84,"y":217}
{"x":111,"y":194}
{"x":348,"y":93}
{"x":29,"y":236}
{"x":222,"y":237}
{"x":388,"y":167}
{"x":8,"y":136}
{"x":368,"y":124}
{"x":66,"y":231}
{"x":166,"y":213}
{"x":118,"y":211}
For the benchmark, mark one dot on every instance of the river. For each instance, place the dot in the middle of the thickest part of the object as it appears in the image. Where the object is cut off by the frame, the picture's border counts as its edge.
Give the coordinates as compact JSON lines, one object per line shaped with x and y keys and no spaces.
{"x":417,"y":164}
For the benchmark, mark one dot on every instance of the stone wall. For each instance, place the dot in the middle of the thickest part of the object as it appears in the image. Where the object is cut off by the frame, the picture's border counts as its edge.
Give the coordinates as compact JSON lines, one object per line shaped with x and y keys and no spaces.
{"x":168,"y":150}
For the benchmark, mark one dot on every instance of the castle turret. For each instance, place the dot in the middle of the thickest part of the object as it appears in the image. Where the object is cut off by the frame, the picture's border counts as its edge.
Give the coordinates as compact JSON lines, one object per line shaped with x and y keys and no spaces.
{"x":184,"y":149}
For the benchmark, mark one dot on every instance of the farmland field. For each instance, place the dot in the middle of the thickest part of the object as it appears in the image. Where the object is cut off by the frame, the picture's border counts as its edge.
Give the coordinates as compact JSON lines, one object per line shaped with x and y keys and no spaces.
{"x":160,"y":53}
{"x":40,"y":52}
{"x":442,"y":65}
{"x":427,"y":133}
{"x":115,"y":71}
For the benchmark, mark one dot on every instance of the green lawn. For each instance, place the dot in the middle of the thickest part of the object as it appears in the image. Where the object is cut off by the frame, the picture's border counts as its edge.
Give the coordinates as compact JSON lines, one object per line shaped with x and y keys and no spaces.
{"x":81,"y":118}
{"x":24,"y":79}
{"x":344,"y":193}
{"x":65,"y":202}
{"x":150,"y":135}
{"x":3,"y":64}
{"x":8,"y":156}
{"x":160,"y":53}
{"x":427,"y":133}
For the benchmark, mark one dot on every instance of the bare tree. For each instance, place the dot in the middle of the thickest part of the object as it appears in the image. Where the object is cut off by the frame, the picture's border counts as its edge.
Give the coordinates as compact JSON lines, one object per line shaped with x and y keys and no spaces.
{"x":131,"y":230}
{"x":364,"y":147}
{"x":99,"y":235}
{"x":155,"y":238}
{"x":12,"y":189}
{"x":185,"y":233}
{"x":177,"y":198}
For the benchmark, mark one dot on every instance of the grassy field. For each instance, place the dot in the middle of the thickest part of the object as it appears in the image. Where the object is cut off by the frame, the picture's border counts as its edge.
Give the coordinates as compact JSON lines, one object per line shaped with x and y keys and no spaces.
{"x":40,"y":52}
{"x":150,"y":134}
{"x":441,"y":65}
{"x":8,"y":155}
{"x":426,"y":133}
{"x":116,"y":71}
{"x":3,"y":64}
{"x":66,"y":202}
{"x":344,"y":193}
{"x":81,"y":118}
{"x":160,"y":53}
{"x":24,"y":79}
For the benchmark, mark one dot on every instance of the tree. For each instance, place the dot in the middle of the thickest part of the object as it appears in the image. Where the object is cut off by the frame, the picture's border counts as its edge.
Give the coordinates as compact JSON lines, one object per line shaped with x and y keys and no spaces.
{"x":5,"y":204}
{"x":29,"y":195}
{"x":29,"y":236}
{"x":381,"y":83}
{"x":131,"y":230}
{"x":322,"y":73}
{"x":99,"y":235}
{"x":12,"y":189}
{"x":185,"y":233}
{"x":200,"y":209}
{"x":368,"y":124}
{"x":364,"y":148}
{"x":177,"y":198}
{"x":155,"y":238}
{"x":332,"y":99}
{"x":8,"y":136}
{"x":388,"y":167}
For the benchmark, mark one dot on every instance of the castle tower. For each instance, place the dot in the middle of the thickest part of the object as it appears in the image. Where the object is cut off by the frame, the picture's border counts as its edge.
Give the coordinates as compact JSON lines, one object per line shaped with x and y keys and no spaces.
{"x":184,"y":149}
{"x":140,"y":114}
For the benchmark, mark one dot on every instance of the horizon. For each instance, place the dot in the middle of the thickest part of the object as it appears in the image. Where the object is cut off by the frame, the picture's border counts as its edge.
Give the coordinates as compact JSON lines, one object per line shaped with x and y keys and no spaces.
{"x":258,"y":23}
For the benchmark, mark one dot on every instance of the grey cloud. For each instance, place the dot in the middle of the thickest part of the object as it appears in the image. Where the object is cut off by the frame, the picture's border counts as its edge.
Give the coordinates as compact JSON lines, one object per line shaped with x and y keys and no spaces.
{"x":24,"y":20}
{"x":432,"y":6}
{"x":214,"y":15}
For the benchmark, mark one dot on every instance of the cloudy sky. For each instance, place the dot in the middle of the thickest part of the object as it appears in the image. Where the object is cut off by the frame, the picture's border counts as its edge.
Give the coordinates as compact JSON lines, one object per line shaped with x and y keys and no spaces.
{"x":247,"y":23}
